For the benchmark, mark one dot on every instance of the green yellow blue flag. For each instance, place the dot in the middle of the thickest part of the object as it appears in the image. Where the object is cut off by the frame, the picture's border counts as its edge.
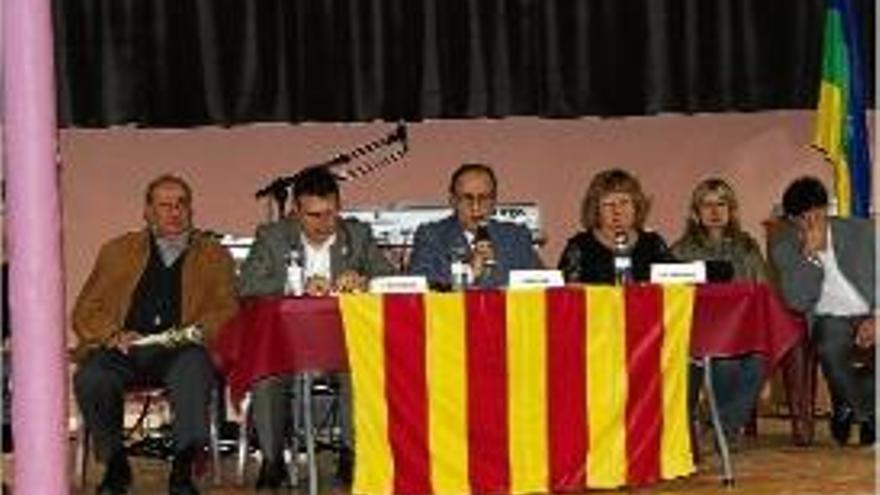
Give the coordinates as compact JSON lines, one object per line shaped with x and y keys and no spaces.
{"x":841,"y":131}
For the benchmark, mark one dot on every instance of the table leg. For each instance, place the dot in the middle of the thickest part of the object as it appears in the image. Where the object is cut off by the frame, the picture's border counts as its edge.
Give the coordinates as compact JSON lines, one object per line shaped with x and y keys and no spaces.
{"x":721,"y":440}
{"x":243,"y":432}
{"x":215,"y":436}
{"x":308,"y":425}
{"x":296,"y":415}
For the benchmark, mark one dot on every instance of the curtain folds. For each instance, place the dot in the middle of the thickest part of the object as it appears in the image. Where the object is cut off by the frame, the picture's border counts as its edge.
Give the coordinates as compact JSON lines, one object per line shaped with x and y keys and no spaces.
{"x":179,"y":63}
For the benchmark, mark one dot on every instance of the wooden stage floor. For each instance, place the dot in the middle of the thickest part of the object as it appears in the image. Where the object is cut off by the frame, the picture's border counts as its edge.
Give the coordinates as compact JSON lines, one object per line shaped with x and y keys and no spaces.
{"x":768,"y":465}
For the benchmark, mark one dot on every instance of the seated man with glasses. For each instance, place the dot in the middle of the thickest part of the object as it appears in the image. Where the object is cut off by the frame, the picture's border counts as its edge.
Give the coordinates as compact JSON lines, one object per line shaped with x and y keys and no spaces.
{"x":469,"y":242}
{"x":334,"y":255}
{"x":168,"y":275}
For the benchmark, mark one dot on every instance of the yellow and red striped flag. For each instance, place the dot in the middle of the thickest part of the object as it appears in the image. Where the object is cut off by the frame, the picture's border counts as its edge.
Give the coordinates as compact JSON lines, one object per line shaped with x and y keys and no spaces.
{"x":519,"y":391}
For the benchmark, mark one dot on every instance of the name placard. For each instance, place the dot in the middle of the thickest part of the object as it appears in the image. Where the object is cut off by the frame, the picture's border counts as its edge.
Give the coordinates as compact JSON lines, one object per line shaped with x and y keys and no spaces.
{"x":525,"y":279}
{"x":678,"y":273}
{"x":399,"y":284}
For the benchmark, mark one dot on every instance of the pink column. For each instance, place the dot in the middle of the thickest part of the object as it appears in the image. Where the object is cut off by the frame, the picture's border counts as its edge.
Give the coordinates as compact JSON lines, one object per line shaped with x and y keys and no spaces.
{"x":39,"y":404}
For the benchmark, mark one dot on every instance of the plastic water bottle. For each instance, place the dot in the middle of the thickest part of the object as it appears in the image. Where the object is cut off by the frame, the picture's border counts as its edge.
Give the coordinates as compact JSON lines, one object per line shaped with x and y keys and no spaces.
{"x":460,"y":269}
{"x":293,"y":283}
{"x":622,"y":259}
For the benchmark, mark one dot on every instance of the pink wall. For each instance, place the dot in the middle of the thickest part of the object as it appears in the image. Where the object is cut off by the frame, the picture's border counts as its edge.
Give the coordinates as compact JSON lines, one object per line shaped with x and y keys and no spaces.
{"x":547,"y":161}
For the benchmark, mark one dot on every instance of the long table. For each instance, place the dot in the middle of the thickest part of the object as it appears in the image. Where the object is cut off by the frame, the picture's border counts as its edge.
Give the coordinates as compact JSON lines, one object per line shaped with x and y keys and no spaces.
{"x":526,"y":391}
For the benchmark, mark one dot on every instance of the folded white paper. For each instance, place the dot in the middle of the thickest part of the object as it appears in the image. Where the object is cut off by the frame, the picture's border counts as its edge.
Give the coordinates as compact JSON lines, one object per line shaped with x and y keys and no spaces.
{"x":172,"y":337}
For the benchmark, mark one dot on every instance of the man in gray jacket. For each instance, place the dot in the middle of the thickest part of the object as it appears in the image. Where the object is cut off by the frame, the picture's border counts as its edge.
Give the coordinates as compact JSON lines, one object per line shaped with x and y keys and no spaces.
{"x":827,"y":271}
{"x":334,"y":255}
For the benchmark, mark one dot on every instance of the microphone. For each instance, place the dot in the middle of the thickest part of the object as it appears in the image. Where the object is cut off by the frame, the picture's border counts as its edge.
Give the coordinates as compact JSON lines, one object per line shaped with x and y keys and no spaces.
{"x":482,"y":236}
{"x":482,"y":233}
{"x":620,"y":241}
{"x":622,"y":260}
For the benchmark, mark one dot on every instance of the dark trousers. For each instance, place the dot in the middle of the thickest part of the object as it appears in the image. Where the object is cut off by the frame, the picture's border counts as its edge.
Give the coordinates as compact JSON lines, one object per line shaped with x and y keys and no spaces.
{"x":737,"y":384}
{"x":272,"y":402}
{"x":849,"y":385}
{"x":101,"y":381}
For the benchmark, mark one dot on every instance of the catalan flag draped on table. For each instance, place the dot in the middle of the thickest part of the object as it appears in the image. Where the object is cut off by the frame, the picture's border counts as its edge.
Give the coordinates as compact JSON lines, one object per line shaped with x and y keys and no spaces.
{"x":519,"y":391}
{"x":841,"y":131}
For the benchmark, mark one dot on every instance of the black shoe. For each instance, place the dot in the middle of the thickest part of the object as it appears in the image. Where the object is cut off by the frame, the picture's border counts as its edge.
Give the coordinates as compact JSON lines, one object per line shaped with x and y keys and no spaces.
{"x":867,"y":432}
{"x":345,"y":467}
{"x":180,"y":480}
{"x":273,"y":476}
{"x":841,"y":424}
{"x":117,"y":476}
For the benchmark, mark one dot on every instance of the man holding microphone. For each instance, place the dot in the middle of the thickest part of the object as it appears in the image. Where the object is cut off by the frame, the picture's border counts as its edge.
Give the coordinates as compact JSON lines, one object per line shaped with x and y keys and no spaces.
{"x":469,"y":245}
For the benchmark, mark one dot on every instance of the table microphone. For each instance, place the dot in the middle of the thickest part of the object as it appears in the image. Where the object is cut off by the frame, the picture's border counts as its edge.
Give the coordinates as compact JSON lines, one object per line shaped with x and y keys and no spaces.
{"x":622,"y":259}
{"x":482,"y":235}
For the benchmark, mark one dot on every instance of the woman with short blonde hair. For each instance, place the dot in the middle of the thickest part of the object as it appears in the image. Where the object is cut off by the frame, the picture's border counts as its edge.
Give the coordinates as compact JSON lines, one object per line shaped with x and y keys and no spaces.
{"x":613,"y":215}
{"x":613,"y":180}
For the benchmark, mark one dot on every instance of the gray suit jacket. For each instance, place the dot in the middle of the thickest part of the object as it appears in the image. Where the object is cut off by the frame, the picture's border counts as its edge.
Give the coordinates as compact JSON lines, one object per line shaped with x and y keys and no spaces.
{"x":854,"y":249}
{"x":265,"y":269}
{"x":436,"y":242}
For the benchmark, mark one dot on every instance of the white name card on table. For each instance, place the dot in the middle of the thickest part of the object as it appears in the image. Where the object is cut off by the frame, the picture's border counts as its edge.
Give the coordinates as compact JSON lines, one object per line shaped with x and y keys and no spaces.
{"x":678,"y":273}
{"x":525,"y":279}
{"x":399,"y":284}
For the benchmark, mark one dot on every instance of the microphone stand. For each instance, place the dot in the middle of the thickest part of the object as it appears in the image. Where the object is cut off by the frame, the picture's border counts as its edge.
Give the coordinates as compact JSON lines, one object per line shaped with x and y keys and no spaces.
{"x":278,"y":189}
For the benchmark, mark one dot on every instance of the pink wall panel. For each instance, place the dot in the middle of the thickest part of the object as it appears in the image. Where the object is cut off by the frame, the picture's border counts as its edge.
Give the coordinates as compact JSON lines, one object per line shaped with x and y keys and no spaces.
{"x":547,"y":161}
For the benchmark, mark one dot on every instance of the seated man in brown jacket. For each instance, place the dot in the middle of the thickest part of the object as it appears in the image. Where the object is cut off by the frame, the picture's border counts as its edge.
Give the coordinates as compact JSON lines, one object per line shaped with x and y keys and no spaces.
{"x":166,"y":276}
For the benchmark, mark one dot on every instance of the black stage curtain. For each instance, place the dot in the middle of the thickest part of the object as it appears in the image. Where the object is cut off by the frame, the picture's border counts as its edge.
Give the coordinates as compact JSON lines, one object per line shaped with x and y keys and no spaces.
{"x":178,"y":63}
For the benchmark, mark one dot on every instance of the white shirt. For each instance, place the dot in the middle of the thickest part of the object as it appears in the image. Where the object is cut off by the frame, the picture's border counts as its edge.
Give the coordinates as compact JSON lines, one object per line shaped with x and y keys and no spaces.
{"x":469,"y":237}
{"x":838,"y":296}
{"x":317,"y":260}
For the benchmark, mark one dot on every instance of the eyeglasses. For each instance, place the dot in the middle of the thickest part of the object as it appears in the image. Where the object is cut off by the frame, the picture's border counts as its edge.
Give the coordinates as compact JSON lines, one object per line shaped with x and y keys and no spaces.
{"x":716,"y":203}
{"x":475,"y":199}
{"x":615,"y":203}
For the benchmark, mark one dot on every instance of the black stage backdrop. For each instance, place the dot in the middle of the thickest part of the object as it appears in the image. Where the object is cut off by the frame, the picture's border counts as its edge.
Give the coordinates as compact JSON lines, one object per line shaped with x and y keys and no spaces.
{"x":179,"y":63}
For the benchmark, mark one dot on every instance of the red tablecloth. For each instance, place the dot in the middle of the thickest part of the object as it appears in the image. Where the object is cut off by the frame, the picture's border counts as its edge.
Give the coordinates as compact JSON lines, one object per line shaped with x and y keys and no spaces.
{"x":278,"y":335}
{"x":737,"y":318}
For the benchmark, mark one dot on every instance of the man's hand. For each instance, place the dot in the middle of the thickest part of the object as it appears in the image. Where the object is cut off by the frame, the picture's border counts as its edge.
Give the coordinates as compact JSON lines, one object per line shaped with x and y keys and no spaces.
{"x":122,"y":340}
{"x":351,"y":281}
{"x":483,"y":255}
{"x":866,"y":333}
{"x":317,"y":285}
{"x":812,"y":232}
